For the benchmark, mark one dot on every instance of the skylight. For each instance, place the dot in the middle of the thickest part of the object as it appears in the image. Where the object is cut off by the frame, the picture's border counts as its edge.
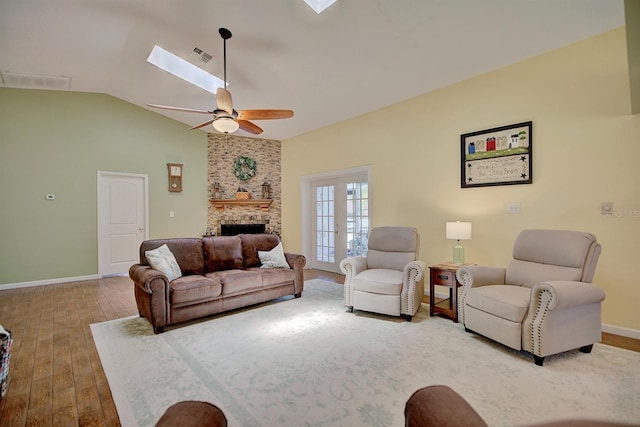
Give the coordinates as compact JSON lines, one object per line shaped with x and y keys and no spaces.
{"x":319,"y":5}
{"x":186,"y":71}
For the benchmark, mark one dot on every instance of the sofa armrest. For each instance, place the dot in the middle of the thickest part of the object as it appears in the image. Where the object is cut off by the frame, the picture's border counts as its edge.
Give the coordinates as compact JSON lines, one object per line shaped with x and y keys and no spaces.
{"x":295,"y":260}
{"x":565,"y":293}
{"x":414,"y":271}
{"x":475,"y":276}
{"x":546,"y":329}
{"x":351,"y":267}
{"x":297,"y":263}
{"x":143,"y":275}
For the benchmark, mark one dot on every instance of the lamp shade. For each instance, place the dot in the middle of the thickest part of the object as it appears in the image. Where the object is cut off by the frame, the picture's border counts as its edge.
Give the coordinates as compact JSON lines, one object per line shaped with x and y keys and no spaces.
{"x":459,"y":230}
{"x":225,"y":125}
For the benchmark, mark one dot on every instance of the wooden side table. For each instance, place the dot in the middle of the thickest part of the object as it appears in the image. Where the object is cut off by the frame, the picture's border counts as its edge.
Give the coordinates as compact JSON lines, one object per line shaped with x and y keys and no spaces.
{"x":444,"y":275}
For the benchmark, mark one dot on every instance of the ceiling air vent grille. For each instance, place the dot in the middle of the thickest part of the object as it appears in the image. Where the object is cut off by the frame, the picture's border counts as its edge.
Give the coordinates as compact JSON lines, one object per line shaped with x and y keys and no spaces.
{"x":204,"y":56}
{"x":35,"y":81}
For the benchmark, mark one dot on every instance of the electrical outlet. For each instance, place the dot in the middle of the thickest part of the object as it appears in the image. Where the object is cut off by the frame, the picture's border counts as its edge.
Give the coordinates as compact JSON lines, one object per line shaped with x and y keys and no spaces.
{"x":50,"y":197}
{"x":606,"y":208}
{"x":171,"y":214}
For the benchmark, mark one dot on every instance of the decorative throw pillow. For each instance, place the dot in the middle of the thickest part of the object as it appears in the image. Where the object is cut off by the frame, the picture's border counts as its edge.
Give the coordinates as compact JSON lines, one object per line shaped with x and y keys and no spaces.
{"x":162,"y":259}
{"x":274,"y":258}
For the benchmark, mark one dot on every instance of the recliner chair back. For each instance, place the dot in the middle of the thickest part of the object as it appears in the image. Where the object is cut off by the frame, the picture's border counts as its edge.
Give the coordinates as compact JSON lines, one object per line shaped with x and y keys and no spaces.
{"x":392,"y":247}
{"x":541,"y":255}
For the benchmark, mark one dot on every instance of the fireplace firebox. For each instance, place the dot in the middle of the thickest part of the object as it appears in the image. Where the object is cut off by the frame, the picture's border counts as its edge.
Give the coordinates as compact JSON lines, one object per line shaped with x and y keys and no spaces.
{"x":233,"y":229}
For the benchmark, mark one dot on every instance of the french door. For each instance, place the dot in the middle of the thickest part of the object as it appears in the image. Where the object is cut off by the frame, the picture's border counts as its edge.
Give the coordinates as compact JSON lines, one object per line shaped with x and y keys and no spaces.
{"x":339,"y":219}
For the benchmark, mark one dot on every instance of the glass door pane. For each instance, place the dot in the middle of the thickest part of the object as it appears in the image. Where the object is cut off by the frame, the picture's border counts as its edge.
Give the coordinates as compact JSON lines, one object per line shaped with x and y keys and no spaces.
{"x":357,"y":218}
{"x":325,"y":224}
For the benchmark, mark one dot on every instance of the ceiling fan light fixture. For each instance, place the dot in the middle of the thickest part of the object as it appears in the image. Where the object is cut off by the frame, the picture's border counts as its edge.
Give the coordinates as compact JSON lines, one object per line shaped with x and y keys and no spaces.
{"x":319,"y":5}
{"x":226,"y":125}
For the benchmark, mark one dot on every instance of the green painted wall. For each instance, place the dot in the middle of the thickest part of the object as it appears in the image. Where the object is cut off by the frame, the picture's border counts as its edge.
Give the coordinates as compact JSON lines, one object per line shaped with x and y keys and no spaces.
{"x":55,"y":142}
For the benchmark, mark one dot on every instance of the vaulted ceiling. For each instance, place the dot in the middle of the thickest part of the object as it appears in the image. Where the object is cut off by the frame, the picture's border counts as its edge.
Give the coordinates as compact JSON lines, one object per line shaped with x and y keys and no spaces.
{"x":355,"y":57}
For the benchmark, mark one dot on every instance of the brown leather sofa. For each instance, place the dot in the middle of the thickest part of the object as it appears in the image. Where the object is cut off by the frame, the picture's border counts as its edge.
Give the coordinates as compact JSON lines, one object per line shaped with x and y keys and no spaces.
{"x":219,"y":274}
{"x":439,"y":405}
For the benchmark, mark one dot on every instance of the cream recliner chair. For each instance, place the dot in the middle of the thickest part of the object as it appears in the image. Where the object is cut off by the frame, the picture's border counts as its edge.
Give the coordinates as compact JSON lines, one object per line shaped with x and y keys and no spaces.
{"x":389,"y":279}
{"x":543,"y":302}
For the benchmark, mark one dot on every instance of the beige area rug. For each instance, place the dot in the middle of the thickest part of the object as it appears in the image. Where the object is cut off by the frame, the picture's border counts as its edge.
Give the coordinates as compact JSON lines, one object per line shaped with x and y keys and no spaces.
{"x":309,"y":362}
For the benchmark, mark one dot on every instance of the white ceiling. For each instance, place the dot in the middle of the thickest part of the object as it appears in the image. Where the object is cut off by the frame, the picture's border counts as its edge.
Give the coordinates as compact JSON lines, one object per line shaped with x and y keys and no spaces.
{"x":355,"y":57}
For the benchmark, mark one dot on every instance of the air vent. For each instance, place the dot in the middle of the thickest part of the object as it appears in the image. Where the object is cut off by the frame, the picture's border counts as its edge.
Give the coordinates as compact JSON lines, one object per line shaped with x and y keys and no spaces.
{"x":35,"y":81}
{"x":204,"y":56}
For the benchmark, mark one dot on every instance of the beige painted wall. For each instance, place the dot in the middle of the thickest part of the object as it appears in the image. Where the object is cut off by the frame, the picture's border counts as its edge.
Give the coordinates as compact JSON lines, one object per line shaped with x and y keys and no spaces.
{"x":55,"y":142}
{"x":585,"y":144}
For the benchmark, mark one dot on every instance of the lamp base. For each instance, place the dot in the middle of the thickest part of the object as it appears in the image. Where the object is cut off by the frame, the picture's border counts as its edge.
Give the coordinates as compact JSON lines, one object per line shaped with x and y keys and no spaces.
{"x":458,"y":254}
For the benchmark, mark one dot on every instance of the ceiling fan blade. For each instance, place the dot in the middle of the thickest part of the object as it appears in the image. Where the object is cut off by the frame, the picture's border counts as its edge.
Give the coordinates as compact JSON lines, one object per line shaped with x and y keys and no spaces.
{"x":186,"y":110}
{"x":201,"y":125}
{"x":264,"y":114}
{"x":224,"y":101}
{"x":247,"y":126}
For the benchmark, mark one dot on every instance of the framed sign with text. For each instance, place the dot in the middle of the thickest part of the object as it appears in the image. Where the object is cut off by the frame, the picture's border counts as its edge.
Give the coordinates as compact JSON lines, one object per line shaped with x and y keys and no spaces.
{"x":498,"y":156}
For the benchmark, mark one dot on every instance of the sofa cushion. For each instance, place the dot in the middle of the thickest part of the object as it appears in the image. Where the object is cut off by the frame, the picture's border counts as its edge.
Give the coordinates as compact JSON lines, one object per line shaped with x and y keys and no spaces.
{"x":508,"y":302}
{"x":193,"y":288}
{"x":379,"y":281}
{"x":252,"y":243}
{"x":276,"y":276}
{"x":222,"y":253}
{"x":188,"y":253}
{"x":237,"y":281}
{"x":162,"y":259}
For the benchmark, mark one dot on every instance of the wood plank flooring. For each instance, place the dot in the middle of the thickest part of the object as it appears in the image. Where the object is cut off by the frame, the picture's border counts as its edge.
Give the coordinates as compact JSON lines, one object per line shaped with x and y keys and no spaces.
{"x":56,"y":377}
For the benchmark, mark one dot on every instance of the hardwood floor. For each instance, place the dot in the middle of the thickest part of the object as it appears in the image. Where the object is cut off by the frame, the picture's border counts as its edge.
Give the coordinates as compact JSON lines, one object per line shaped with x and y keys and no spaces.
{"x":55,"y":375}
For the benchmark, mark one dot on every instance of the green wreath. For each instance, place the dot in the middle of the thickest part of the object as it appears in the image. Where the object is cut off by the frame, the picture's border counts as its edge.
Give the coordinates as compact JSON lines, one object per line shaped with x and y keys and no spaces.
{"x":244,"y":168}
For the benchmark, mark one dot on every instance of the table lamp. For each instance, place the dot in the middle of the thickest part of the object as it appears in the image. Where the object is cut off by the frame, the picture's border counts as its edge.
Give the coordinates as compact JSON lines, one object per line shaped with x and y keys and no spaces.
{"x":458,"y":231}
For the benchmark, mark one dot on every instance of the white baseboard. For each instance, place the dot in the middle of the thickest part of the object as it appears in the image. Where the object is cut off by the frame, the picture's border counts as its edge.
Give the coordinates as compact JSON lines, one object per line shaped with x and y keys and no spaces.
{"x":48,"y":282}
{"x":610,"y":329}
{"x":619,"y":330}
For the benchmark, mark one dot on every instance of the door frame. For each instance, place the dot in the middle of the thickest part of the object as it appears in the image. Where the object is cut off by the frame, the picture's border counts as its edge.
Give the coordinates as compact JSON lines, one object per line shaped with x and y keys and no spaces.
{"x":308,"y":208}
{"x":100,"y":215}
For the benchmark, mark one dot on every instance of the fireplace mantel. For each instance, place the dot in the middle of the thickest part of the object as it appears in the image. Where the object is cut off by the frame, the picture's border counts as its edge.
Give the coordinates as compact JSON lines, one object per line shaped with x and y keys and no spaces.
{"x":220,"y":204}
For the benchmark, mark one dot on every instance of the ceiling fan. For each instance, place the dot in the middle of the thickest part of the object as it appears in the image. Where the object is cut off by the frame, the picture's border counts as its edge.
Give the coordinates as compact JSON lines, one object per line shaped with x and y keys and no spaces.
{"x":225,"y":119}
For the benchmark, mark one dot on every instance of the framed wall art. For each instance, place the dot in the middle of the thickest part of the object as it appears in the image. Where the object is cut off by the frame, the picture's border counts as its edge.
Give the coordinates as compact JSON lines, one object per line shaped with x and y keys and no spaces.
{"x":498,"y":156}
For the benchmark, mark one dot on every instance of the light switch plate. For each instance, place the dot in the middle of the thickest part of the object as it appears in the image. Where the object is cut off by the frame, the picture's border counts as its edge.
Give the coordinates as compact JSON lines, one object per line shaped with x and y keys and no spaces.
{"x":513,"y":208}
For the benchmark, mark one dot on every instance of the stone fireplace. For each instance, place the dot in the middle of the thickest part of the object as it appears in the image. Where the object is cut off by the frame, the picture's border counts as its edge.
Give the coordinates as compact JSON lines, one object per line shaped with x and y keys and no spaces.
{"x":222,"y":152}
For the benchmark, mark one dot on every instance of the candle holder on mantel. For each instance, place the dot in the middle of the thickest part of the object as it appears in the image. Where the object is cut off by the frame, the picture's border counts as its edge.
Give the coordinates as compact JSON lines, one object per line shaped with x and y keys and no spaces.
{"x":217,"y":194}
{"x":266,"y":191}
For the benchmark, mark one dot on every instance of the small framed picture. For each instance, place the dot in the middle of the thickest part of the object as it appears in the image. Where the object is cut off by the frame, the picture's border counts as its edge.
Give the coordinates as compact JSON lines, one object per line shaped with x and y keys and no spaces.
{"x":498,"y":156}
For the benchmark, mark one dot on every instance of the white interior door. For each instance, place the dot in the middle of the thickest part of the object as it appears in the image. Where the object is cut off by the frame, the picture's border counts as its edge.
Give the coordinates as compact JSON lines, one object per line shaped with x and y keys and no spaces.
{"x":337,"y":220}
{"x":122,"y":221}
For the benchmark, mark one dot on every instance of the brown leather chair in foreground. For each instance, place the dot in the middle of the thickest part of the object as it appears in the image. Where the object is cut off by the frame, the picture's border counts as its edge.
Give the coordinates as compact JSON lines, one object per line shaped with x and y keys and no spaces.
{"x":190,"y":413}
{"x":439,"y":405}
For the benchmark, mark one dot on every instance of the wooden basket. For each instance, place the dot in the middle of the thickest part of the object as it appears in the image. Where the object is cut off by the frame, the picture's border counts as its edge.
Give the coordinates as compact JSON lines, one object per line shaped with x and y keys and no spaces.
{"x":243,"y":195}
